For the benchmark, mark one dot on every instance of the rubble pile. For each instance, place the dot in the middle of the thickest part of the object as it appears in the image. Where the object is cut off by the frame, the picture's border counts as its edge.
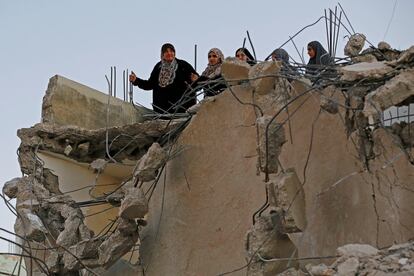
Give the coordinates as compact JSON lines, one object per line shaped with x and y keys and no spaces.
{"x":363,"y":259}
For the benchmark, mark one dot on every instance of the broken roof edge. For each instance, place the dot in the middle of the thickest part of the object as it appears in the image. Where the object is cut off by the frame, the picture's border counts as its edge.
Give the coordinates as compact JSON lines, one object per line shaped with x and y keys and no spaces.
{"x":67,"y":102}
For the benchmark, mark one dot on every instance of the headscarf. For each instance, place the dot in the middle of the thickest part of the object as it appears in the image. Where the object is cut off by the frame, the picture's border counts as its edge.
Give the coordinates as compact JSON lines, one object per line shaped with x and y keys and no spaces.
{"x":321,"y":56}
{"x":281,"y":55}
{"x":247,"y":53}
{"x":213,"y":71}
{"x":168,"y":69}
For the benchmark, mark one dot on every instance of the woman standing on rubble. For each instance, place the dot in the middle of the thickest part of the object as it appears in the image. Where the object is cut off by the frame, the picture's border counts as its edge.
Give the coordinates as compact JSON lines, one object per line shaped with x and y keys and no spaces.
{"x":283,"y":56}
{"x":170,"y":82}
{"x":244,"y":55}
{"x":212,"y":74}
{"x":319,"y":58}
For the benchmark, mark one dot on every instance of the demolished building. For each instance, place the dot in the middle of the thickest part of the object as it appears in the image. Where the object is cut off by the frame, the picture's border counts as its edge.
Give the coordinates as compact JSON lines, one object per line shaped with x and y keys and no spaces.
{"x":272,"y":174}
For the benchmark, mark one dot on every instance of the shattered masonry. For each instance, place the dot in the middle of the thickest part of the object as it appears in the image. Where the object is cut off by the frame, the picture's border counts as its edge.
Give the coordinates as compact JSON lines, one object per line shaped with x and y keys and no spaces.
{"x":302,"y":169}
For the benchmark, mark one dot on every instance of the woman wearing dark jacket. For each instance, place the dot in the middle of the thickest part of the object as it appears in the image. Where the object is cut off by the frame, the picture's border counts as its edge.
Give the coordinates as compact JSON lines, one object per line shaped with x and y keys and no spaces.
{"x":170,"y":82}
{"x":319,"y":58}
{"x":283,"y":56}
{"x":212,"y":73}
{"x":244,"y":55}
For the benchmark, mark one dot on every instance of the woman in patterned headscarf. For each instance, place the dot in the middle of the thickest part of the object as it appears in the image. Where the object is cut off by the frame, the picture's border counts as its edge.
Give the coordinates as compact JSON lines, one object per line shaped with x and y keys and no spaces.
{"x":170,"y":81}
{"x":212,"y":73}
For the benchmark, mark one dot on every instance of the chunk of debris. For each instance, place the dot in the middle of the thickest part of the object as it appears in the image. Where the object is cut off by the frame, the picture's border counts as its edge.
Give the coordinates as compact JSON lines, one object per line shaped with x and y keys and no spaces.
{"x":70,"y":235}
{"x":365,"y":70}
{"x":286,"y":192}
{"x":354,"y":45}
{"x":263,"y":242}
{"x":234,"y":70}
{"x":11,"y":187}
{"x":119,"y":243}
{"x":68,"y":150}
{"x":271,"y":139}
{"x":98,"y":165}
{"x":407,"y":57}
{"x":30,"y":226}
{"x":391,"y":93}
{"x":134,"y":205}
{"x":349,"y":267}
{"x":357,"y":250}
{"x":328,"y":101}
{"x":382,"y":45}
{"x":150,"y":163}
{"x":263,"y":76}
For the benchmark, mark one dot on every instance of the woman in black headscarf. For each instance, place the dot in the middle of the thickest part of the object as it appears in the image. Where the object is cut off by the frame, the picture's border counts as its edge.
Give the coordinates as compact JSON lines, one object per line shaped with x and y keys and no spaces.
{"x":170,"y":81}
{"x":212,"y":73}
{"x":244,"y":55}
{"x":319,"y":58}
{"x":283,"y":56}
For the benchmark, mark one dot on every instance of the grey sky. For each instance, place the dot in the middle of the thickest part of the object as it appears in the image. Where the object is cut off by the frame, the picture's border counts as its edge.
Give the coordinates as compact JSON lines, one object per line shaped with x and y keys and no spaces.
{"x":82,"y":39}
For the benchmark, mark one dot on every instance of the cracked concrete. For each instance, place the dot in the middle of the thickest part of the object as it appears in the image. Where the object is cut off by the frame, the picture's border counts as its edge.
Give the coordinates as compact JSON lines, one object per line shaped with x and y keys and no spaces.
{"x":327,"y":172}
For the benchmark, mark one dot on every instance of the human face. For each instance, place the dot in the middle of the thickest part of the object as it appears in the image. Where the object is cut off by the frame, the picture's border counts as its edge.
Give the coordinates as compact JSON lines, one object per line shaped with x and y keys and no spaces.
{"x":168,"y":55}
{"x":311,"y":52}
{"x":241,"y":55}
{"x":213,"y":58}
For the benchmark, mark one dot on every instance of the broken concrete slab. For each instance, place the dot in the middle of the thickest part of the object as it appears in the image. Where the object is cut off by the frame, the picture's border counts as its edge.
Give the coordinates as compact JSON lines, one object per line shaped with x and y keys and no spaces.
{"x":286,"y":192}
{"x":395,"y":91}
{"x":132,"y":139}
{"x":354,"y":45}
{"x":406,"y":58}
{"x":234,"y":70}
{"x":263,"y":76}
{"x":382,"y":45}
{"x":10,"y":188}
{"x":271,"y":138}
{"x":63,"y":94}
{"x":119,"y":243}
{"x":349,"y":267}
{"x":70,"y":235}
{"x":357,"y":250}
{"x":150,"y":163}
{"x":134,"y":205}
{"x":263,"y":242}
{"x":329,"y":99}
{"x":29,"y":225}
{"x":365,"y":70}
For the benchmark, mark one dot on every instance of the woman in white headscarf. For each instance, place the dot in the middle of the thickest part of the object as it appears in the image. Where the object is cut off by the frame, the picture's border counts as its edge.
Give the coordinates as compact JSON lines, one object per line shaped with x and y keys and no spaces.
{"x":212,"y":74}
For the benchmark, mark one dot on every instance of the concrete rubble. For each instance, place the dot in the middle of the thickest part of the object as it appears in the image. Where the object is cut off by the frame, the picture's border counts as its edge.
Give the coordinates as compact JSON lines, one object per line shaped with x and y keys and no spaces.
{"x":354,"y":45}
{"x":297,"y":168}
{"x":362,"y":259}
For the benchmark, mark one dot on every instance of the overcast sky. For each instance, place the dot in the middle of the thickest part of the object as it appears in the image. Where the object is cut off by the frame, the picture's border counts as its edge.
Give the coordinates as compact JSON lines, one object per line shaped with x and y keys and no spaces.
{"x":81,"y":39}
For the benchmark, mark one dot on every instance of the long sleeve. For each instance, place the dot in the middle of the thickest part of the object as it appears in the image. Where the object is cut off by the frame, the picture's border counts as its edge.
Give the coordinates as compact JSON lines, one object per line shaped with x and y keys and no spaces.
{"x":149,"y":84}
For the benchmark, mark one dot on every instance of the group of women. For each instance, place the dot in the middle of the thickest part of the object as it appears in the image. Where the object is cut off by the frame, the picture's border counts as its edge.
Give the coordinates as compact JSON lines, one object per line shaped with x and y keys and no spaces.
{"x":174,"y":81}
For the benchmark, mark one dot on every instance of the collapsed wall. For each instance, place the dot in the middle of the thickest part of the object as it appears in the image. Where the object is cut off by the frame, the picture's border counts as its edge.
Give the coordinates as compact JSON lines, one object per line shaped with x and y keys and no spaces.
{"x":272,"y":173}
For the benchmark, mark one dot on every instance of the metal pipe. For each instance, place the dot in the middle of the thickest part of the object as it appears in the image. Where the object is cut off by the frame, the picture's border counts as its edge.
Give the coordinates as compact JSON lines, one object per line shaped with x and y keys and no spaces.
{"x":337,"y":33}
{"x":115,"y":81}
{"x":334,"y":34}
{"x":294,"y":44}
{"x":110,"y":83}
{"x":330,"y":32}
{"x":326,"y":28}
{"x":251,"y":44}
{"x":346,"y":17}
{"x":195,"y":57}
{"x":123,"y":82}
